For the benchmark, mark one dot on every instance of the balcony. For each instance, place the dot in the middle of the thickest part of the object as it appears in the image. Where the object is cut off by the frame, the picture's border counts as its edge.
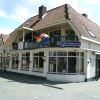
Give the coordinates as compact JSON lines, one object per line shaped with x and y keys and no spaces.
{"x":54,"y":41}
{"x":22,"y":45}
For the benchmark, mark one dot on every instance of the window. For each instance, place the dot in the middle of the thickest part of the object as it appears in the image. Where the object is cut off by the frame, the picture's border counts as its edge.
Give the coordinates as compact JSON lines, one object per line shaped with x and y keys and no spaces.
{"x":52,"y":64}
{"x":7,"y":60}
{"x":92,"y":34}
{"x":71,"y":36}
{"x":66,"y":62}
{"x":25,"y":61}
{"x":81,"y":62}
{"x":54,"y":37}
{"x":15,"y":61}
{"x":61,"y":64}
{"x":72,"y":62}
{"x":38,"y":61}
{"x":2,"y":61}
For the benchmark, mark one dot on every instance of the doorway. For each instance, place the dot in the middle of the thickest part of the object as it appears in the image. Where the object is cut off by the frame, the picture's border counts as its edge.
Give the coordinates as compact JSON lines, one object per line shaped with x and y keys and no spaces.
{"x":98,"y":66}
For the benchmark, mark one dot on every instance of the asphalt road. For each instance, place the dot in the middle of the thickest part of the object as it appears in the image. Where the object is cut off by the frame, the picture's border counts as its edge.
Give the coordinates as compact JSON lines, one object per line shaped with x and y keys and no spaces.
{"x":23,"y":87}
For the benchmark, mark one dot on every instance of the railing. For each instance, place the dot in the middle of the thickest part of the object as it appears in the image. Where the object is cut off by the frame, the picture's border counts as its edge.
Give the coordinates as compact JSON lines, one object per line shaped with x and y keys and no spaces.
{"x":59,"y":41}
{"x":62,"y":39}
{"x":54,"y":41}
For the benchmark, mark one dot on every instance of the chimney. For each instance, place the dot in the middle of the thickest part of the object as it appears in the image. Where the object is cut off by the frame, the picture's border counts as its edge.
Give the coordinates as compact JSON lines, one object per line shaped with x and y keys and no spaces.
{"x":42,"y":11}
{"x":85,"y":15}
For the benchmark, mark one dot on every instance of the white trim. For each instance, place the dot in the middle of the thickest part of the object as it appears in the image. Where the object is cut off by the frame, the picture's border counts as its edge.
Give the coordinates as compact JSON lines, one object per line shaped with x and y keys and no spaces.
{"x":91,"y":40}
{"x":90,"y":49}
{"x":98,"y":53}
{"x":27,"y":28}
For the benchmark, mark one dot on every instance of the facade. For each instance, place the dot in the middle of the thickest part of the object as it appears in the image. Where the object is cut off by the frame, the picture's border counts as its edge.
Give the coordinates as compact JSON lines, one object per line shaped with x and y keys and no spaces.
{"x":71,"y":54}
{"x":3,"y":38}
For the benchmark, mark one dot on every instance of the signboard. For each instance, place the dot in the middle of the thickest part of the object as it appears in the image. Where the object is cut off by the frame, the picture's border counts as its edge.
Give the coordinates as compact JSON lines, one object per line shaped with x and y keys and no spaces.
{"x":64,"y":43}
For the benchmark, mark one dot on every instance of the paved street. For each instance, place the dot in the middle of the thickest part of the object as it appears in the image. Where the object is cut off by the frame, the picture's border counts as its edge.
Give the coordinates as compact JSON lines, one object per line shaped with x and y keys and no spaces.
{"x":20,"y":87}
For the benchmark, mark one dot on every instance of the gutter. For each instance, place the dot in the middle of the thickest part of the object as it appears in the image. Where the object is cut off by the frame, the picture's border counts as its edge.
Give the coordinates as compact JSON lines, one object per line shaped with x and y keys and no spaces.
{"x":90,"y":40}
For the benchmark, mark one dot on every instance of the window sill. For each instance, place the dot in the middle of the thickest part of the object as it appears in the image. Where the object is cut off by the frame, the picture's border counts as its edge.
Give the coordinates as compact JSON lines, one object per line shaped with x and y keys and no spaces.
{"x":14,"y":68}
{"x":24,"y":69}
{"x":66,"y":73}
{"x":38,"y":71}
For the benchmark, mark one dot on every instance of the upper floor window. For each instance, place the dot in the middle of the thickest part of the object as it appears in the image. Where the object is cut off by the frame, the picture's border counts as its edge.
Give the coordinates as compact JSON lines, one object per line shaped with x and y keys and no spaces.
{"x":71,"y":36}
{"x":55,"y":33}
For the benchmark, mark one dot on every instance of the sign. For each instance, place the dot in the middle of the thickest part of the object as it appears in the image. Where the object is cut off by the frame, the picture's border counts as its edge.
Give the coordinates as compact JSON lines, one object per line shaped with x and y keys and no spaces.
{"x":64,"y":43}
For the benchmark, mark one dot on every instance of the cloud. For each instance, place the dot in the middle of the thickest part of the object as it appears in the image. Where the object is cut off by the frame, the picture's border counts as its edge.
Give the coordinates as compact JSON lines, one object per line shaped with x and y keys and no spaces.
{"x":2,"y":13}
{"x":24,"y":9}
{"x":92,"y":1}
{"x":20,"y":14}
{"x":6,"y":30}
{"x":55,"y":3}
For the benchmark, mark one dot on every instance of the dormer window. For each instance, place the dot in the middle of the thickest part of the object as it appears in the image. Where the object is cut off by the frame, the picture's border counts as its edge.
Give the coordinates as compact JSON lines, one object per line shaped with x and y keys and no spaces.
{"x":92,"y":34}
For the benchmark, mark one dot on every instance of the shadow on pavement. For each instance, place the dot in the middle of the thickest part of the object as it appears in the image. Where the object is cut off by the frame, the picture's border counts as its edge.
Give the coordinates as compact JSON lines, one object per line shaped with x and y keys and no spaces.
{"x":28,"y":79}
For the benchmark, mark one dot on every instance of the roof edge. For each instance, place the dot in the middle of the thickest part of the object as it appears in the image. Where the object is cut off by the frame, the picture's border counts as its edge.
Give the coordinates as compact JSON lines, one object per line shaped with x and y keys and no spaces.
{"x":91,"y":40}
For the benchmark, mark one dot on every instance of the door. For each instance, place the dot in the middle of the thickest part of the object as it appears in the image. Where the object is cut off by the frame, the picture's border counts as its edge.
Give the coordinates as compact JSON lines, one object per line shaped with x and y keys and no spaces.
{"x":97,"y":65}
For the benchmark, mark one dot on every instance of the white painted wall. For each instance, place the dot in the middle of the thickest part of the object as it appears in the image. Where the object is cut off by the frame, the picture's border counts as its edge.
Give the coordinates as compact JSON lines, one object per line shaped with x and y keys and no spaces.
{"x":27,"y":72}
{"x":91,"y":64}
{"x":89,"y":45}
{"x":84,"y":44}
{"x":90,"y":57}
{"x":66,"y":78}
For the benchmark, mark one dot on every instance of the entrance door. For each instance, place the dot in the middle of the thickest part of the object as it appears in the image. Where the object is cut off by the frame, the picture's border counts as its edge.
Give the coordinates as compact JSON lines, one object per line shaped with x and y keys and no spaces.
{"x":98,"y":65}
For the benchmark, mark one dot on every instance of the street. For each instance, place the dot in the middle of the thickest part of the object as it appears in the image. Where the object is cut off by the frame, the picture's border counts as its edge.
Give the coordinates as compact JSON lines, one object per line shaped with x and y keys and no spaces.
{"x":24,"y":87}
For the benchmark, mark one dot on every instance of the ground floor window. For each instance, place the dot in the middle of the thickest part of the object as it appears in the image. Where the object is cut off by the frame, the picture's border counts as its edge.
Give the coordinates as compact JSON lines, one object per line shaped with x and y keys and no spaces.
{"x":25,"y":63}
{"x":2,"y":61}
{"x":7,"y":60}
{"x":66,"y":62}
{"x":38,"y":62}
{"x":15,"y":61}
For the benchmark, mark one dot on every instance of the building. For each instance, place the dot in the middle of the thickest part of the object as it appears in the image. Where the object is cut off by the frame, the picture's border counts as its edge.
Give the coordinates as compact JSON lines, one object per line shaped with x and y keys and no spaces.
{"x":3,"y":38}
{"x":71,"y":54}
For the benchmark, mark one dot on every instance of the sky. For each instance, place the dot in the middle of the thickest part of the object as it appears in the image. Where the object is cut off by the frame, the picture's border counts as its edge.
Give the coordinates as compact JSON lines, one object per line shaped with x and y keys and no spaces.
{"x":14,"y":12}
